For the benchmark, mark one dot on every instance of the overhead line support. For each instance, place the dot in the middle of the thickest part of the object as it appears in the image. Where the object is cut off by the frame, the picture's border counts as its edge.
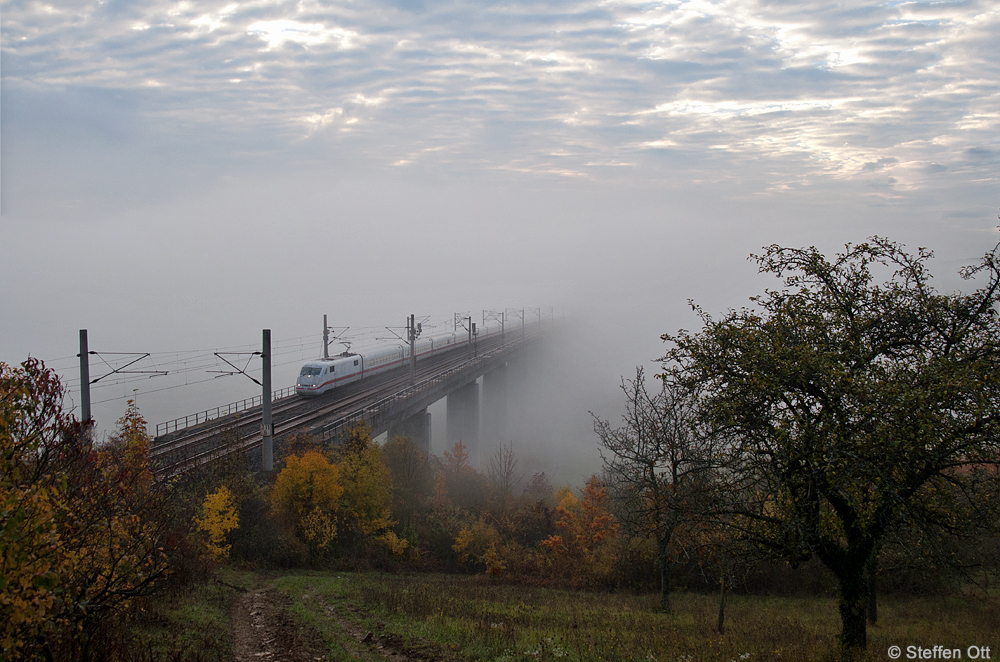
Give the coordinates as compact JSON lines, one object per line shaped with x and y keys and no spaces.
{"x":266,"y":425}
{"x":84,"y":377}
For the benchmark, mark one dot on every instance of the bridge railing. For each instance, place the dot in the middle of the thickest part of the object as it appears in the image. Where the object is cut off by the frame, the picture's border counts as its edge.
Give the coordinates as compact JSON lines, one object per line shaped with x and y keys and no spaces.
{"x":387,"y":406}
{"x":218,"y":412}
{"x":376,"y":413}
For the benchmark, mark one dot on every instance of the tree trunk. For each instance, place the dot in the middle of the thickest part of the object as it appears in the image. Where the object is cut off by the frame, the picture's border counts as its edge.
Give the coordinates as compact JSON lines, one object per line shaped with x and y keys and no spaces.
{"x":854,"y":632}
{"x":661,"y":548}
{"x":871,"y":574}
{"x":722,"y":603}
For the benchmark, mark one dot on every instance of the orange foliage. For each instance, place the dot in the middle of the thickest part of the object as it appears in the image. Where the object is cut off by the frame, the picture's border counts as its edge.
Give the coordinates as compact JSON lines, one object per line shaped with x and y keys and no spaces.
{"x":586,"y":522}
{"x":581,"y":552}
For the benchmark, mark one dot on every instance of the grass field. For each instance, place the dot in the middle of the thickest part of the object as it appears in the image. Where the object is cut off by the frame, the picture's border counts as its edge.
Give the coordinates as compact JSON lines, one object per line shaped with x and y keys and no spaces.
{"x":190,"y":624}
{"x":478,"y":620}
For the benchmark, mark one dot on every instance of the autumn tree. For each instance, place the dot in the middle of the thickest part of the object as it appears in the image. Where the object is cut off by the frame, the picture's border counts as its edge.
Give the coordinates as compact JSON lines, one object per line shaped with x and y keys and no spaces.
{"x":412,"y":477}
{"x":121,"y":517}
{"x":661,"y":466}
{"x":585,"y":526}
{"x":366,"y":505}
{"x":83,"y":526}
{"x":478,"y":542}
{"x":306,"y":496}
{"x":219,"y":518}
{"x":38,"y":443}
{"x":852,"y":400}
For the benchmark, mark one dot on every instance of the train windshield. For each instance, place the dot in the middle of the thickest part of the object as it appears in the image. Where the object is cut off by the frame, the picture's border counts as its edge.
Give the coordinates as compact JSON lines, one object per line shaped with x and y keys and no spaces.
{"x":309,"y":371}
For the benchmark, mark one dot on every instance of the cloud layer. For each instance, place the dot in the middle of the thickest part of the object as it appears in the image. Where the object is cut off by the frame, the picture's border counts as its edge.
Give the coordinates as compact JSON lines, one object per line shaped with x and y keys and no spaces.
{"x":184,"y":173}
{"x":900,"y":95}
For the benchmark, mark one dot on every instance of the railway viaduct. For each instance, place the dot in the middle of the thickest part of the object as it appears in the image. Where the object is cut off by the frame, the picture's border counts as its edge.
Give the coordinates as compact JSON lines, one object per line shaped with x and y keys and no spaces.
{"x":475,"y":384}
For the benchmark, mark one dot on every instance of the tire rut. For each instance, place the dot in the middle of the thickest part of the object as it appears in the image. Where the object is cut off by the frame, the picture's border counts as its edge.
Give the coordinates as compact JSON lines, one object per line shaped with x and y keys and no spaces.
{"x":264,"y":630}
{"x":386,"y":645}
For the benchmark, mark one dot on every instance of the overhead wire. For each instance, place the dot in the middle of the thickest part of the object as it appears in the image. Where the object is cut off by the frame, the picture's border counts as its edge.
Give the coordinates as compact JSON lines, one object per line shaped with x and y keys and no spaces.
{"x":186,"y":362}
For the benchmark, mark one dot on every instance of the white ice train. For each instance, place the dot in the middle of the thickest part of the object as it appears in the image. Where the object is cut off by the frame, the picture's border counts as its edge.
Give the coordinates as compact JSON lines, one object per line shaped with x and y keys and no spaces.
{"x":321,"y":375}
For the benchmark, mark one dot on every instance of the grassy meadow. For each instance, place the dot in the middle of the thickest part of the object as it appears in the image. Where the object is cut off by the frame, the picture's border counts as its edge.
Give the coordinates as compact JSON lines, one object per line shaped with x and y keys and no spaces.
{"x":188,"y":624}
{"x":474,"y":619}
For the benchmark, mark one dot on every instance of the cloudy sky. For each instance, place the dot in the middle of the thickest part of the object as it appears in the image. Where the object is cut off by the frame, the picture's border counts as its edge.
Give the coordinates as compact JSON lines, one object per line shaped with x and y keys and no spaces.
{"x":179,"y":175}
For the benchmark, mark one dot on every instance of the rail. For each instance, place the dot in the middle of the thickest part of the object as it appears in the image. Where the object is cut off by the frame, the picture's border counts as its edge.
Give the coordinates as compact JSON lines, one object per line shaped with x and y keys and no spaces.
{"x":218,"y":412}
{"x":378,"y":413}
{"x":381,"y":408}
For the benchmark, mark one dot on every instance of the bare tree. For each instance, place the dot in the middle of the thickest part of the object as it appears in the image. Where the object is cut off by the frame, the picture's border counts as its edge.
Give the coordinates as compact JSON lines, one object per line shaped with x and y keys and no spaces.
{"x":660,"y":465}
{"x":412,"y":477}
{"x":504,"y":475}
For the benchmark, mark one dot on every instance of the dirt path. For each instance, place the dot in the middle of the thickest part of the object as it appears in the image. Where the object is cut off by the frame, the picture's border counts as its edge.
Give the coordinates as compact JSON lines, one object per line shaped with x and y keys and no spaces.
{"x":265,"y":631}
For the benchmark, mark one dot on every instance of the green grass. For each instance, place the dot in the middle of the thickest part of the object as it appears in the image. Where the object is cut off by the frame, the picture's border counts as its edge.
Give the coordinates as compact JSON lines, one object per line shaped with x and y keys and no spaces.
{"x":440,"y":617}
{"x":190,"y":625}
{"x":487,"y":622}
{"x":310,"y":608}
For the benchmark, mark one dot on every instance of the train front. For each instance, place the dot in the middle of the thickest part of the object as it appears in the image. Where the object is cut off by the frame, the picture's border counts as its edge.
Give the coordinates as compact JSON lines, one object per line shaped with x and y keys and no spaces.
{"x":310,"y":379}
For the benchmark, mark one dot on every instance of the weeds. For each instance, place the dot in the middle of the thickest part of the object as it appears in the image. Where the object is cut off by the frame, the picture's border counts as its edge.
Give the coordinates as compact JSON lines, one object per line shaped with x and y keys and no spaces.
{"x":488,"y":622}
{"x":187,"y":625}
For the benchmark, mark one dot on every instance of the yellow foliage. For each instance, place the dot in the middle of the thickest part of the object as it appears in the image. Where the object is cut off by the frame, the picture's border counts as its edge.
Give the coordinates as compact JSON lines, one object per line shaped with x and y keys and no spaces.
{"x":474,"y":540}
{"x":462,"y":543}
{"x":121,"y":550}
{"x":566,"y":500}
{"x":306,"y":483}
{"x":29,"y":562}
{"x":29,"y":527}
{"x":394,"y":543}
{"x":367,"y":486}
{"x":131,"y":434}
{"x":318,"y":528}
{"x":479,"y":542}
{"x":78,"y":531}
{"x":495,"y":566}
{"x":218,"y":519}
{"x":306,"y":495}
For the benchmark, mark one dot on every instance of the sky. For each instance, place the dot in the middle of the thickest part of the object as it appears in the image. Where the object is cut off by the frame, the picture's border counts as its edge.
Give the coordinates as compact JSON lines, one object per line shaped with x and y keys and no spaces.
{"x":177,"y":176}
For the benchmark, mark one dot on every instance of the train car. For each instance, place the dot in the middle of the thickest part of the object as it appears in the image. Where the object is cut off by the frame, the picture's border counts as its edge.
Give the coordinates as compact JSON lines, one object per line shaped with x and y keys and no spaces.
{"x":321,"y":375}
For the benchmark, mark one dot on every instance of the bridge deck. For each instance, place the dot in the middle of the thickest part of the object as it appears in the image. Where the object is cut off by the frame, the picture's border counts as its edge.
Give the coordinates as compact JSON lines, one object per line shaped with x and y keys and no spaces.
{"x":380,"y":402}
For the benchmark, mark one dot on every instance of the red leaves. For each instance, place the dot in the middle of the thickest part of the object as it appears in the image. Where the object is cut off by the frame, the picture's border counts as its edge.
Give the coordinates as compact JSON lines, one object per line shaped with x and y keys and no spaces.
{"x":586,"y":522}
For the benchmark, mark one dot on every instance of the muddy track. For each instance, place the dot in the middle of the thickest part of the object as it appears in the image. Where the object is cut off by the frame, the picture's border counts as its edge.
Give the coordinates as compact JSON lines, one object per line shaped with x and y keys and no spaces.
{"x":386,"y":645}
{"x":264,"y":630}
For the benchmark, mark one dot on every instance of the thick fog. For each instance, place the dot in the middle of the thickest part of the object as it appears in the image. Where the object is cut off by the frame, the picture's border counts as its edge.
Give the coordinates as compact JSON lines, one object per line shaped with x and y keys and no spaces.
{"x":176,"y":178}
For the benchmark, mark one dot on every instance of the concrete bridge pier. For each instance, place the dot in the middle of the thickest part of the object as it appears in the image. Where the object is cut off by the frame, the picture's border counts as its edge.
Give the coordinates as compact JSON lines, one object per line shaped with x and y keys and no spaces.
{"x":463,"y":418}
{"x":494,"y":431}
{"x":417,"y":427}
{"x":518,"y":373}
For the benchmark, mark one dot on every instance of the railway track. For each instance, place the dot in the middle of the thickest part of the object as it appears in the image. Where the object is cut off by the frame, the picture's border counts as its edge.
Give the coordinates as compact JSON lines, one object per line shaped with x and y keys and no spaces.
{"x":178,"y":452}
